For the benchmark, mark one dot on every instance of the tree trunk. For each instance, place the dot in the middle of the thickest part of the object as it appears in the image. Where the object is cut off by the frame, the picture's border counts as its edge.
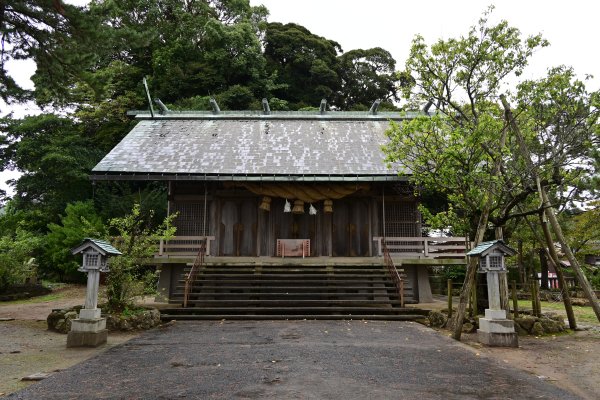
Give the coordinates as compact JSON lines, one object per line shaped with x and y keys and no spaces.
{"x":585,"y":284}
{"x":503,"y":280}
{"x":544,"y":269}
{"x":561,"y":278}
{"x":549,"y":211}
{"x":522,"y":272}
{"x":457,"y":321}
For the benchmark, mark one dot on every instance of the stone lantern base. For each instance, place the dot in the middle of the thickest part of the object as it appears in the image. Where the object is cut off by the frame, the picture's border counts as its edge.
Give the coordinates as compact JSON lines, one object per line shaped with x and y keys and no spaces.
{"x":496,"y":330}
{"x":88,"y":332}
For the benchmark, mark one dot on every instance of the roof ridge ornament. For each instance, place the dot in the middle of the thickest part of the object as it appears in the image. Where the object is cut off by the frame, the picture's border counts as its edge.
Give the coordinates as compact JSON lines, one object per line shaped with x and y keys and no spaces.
{"x":265,"y":106}
{"x":427,"y":106}
{"x":374,"y":107}
{"x":215,"y":107}
{"x":148,"y":96}
{"x":163,"y":109}
{"x":323,"y":107}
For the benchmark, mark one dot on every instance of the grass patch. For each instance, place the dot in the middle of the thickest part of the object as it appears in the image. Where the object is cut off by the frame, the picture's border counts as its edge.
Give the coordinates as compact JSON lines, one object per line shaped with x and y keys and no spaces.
{"x":38,"y":299}
{"x":582,"y":314}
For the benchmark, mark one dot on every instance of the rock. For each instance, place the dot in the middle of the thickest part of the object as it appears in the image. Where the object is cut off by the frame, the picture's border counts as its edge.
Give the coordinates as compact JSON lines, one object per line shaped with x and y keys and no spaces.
{"x":60,"y":320}
{"x":537,"y":329}
{"x":146,"y":319}
{"x":38,"y":376}
{"x":580,"y":302}
{"x":552,"y":326}
{"x":555,"y":317}
{"x":53,"y":318}
{"x":437,"y":319}
{"x":520,"y":331}
{"x":468,"y":328}
{"x":526,"y":322}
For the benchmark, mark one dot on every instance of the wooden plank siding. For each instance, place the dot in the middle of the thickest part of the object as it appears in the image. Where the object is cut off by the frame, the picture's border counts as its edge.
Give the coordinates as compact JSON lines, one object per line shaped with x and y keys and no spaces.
{"x":242,"y":229}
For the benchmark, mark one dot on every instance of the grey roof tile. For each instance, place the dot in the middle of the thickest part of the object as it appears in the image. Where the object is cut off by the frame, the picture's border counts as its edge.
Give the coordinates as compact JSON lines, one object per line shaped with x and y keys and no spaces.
{"x":290,"y":147}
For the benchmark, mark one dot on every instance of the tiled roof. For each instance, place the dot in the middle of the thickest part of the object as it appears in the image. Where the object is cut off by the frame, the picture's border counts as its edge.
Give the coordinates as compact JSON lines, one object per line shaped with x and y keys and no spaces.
{"x":254,"y":146}
{"x":483,"y":247}
{"x":103,"y":245}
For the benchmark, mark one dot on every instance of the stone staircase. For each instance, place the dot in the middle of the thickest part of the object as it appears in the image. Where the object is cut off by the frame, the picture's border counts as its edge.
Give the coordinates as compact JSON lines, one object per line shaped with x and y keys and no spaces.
{"x":284,"y":292}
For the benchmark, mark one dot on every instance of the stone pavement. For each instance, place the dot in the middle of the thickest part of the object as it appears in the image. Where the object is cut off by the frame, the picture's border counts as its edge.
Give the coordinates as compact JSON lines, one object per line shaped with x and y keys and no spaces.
{"x":292,"y":360}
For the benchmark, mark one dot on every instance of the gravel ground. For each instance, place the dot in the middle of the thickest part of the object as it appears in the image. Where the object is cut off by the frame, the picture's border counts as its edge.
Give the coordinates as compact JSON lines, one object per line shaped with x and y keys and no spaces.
{"x":26,"y":347}
{"x":293,"y":360}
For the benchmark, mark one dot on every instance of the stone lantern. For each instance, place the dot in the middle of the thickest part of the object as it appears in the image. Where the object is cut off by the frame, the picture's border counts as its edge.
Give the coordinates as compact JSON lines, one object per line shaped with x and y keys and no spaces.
{"x":494,"y":329}
{"x":90,"y":328}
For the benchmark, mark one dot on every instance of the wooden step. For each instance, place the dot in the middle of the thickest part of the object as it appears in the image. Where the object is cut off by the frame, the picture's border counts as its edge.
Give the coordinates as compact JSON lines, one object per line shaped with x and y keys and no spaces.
{"x":193,"y":310}
{"x":291,"y":277}
{"x":261,"y":317}
{"x":290,"y":269}
{"x":262,"y":287}
{"x":290,"y":295}
{"x":288,"y":302}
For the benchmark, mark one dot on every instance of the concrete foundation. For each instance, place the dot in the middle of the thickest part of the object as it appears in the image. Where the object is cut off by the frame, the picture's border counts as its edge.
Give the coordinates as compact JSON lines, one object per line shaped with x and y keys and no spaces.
{"x":423,"y":285}
{"x":497,"y":332}
{"x":87,"y":339}
{"x":498,"y":339}
{"x":87,"y":332}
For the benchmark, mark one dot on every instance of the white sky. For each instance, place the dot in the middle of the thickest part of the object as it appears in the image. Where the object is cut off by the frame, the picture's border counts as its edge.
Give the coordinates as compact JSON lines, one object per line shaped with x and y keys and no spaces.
{"x":573,"y":29}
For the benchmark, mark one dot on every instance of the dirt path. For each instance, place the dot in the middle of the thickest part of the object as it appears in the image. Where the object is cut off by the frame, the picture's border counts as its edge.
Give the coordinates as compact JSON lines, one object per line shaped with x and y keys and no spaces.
{"x":26,"y":345}
{"x":37,"y":309}
{"x":569,"y":361}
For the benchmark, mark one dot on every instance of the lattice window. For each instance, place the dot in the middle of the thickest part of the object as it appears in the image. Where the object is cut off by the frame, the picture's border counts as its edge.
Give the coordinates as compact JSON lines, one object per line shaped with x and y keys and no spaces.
{"x":401,"y":220}
{"x":190,"y":220}
{"x":91,"y":260}
{"x":495,"y":262}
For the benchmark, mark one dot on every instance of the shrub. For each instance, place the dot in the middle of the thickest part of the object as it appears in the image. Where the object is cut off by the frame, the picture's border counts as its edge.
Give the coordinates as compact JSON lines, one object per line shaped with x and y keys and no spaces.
{"x":130,"y":275}
{"x":16,"y":257}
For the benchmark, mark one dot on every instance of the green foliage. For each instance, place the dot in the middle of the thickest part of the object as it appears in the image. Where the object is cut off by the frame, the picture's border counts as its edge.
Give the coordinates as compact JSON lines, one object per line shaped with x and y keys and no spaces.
{"x":305,"y":65}
{"x":560,"y":121}
{"x":138,"y":241}
{"x":55,"y":159}
{"x":454,"y":272}
{"x":366,"y":75}
{"x":55,"y":34}
{"x":80,"y":221}
{"x":16,"y":257}
{"x":116,"y":199}
{"x":465,"y":152}
{"x":583,"y":230}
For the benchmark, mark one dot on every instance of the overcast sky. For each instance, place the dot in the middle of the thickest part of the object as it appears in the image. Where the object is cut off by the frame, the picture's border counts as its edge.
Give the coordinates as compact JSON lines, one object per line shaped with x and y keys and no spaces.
{"x":573,"y":29}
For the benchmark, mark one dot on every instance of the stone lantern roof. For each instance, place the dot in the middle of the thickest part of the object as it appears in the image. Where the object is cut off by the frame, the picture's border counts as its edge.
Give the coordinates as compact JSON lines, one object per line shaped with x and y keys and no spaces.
{"x":101,"y":246}
{"x":484,"y":248}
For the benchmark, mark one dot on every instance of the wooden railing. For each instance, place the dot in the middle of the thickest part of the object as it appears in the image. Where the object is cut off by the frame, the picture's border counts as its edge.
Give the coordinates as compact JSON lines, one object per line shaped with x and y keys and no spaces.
{"x":423,"y":247}
{"x":191,"y":276}
{"x":185,"y":245}
{"x":393,"y":271}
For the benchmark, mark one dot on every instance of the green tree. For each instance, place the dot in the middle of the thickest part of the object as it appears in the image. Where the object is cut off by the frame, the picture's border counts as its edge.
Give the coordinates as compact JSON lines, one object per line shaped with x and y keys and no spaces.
{"x":78,"y":222}
{"x":305,"y":65}
{"x":366,"y":76}
{"x":16,"y":257}
{"x":56,"y":35}
{"x":460,"y":151}
{"x":55,"y":159}
{"x":129,"y":274}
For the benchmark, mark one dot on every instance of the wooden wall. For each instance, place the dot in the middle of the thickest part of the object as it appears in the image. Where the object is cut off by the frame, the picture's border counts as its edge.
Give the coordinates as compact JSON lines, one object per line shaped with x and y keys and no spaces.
{"x":242,"y":229}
